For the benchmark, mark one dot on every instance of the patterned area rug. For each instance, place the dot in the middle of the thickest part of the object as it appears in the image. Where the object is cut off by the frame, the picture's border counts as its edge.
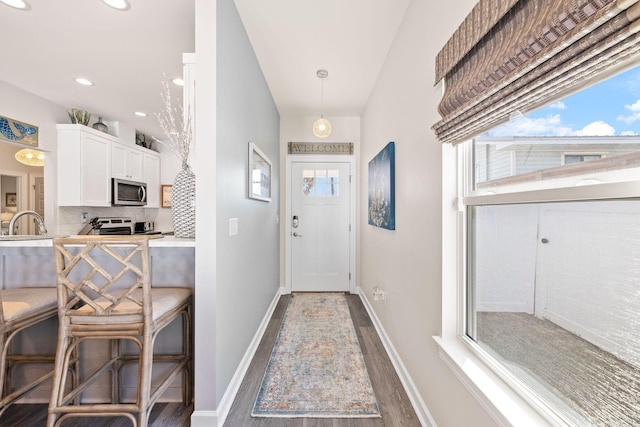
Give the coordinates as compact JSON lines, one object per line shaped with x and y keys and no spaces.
{"x":316,"y":368}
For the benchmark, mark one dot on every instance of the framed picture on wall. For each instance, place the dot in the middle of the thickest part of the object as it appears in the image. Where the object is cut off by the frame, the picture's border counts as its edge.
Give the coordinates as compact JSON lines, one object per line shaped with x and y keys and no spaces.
{"x":11,"y":200}
{"x":259,"y":174}
{"x":165,"y":196}
{"x":382,"y":198}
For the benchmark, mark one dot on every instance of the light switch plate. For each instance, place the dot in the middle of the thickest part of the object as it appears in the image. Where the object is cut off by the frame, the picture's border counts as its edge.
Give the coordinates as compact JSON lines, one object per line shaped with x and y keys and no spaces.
{"x":233,"y":226}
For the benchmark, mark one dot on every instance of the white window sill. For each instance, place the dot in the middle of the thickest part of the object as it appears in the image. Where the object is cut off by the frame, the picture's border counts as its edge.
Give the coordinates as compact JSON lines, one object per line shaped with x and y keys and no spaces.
{"x":497,"y":397}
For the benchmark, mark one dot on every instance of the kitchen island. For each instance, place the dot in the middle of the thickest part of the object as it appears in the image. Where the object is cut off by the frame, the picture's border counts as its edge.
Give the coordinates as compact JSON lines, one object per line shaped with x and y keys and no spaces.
{"x":30,"y":263}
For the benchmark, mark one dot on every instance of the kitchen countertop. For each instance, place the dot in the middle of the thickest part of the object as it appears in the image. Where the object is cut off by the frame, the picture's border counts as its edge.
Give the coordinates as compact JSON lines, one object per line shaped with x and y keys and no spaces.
{"x":158,"y":242}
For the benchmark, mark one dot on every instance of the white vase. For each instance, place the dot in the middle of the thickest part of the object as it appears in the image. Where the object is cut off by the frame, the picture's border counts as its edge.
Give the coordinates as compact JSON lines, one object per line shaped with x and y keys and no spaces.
{"x":183,"y":203}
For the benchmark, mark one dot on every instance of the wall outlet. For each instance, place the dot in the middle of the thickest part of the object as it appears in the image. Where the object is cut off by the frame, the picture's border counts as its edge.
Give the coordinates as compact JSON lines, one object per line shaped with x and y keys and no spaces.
{"x":84,"y":217}
{"x":379,"y":294}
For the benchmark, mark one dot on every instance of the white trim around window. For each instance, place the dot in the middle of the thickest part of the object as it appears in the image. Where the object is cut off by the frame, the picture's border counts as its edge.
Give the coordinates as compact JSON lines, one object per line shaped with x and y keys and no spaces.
{"x":504,"y":397}
{"x":502,"y":402}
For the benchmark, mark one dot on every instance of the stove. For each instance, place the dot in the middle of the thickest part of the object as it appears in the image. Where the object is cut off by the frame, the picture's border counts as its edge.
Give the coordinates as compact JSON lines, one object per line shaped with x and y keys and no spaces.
{"x":108,"y":226}
{"x":117,"y":226}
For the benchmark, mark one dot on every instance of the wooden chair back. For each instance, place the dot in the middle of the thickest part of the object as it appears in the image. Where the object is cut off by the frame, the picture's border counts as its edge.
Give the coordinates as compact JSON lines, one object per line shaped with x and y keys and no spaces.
{"x":103,"y":279}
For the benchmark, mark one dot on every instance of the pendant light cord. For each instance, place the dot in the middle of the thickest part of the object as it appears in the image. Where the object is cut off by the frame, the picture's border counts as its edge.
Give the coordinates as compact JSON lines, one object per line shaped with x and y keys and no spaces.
{"x":322,"y":97}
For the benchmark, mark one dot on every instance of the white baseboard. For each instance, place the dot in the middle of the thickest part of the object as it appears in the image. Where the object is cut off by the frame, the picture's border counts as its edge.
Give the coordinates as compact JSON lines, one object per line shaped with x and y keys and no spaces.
{"x":414,"y":395}
{"x":204,"y":419}
{"x":238,"y":376}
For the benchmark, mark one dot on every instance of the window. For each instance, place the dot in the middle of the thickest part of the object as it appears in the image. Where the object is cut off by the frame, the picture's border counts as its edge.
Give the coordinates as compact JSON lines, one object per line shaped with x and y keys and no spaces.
{"x":600,"y":124}
{"x":320,"y":182}
{"x":577,"y":158}
{"x":552,"y":243}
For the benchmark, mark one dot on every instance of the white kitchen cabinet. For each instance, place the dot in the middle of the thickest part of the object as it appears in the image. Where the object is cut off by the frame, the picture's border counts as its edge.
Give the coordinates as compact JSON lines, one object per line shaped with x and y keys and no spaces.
{"x":151,"y":175}
{"x":126,"y":162}
{"x":88,"y":159}
{"x":84,"y":166}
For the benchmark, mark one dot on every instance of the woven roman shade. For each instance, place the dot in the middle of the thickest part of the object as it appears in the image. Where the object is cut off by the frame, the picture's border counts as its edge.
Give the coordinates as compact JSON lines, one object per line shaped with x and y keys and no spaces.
{"x":518,"y":55}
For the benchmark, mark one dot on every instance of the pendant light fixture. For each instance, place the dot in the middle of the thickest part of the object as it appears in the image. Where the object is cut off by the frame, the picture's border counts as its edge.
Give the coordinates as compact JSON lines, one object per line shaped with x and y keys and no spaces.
{"x":322,"y":127}
{"x":30,"y":157}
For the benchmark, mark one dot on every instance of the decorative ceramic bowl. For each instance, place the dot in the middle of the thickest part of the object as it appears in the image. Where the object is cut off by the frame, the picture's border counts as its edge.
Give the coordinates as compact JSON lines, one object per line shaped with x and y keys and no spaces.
{"x":81,"y":117}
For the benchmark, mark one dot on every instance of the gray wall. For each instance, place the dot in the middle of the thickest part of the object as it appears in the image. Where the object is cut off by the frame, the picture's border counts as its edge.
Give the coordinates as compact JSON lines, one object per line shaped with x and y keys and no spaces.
{"x":248,"y":263}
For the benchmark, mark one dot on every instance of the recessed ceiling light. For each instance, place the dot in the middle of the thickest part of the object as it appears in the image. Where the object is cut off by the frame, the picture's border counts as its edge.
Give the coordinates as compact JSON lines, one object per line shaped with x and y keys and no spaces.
{"x":178,"y":81}
{"x":17,"y":4}
{"x":140,"y":114}
{"x":84,"y":82}
{"x":117,"y":4}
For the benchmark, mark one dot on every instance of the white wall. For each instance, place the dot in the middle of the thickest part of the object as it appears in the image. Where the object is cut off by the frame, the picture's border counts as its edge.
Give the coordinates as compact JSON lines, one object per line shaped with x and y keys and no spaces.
{"x":587,"y":273}
{"x":407,"y":263}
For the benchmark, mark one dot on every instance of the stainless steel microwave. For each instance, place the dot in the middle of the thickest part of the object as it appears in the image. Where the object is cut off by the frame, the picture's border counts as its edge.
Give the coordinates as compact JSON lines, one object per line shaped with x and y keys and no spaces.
{"x":128,"y":193}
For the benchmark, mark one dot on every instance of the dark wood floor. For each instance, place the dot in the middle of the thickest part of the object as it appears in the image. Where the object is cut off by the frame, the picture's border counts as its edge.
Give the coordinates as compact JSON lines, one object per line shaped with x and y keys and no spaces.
{"x":393,"y":401}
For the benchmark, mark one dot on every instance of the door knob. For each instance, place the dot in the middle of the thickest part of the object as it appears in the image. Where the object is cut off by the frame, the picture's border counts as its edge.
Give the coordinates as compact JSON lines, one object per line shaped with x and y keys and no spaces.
{"x":296,"y":234}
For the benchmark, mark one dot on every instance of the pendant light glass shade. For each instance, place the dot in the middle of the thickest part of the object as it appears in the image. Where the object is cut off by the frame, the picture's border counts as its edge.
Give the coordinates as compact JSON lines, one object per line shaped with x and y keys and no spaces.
{"x":30,"y":157}
{"x":322,"y":127}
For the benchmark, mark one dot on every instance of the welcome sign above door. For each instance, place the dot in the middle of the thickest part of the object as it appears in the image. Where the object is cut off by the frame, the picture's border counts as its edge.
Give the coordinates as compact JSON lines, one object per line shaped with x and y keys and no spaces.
{"x":321,"y":148}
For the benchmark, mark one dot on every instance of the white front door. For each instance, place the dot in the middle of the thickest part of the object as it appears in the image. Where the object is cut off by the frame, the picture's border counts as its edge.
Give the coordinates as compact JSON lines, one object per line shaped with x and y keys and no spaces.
{"x":320,"y":228}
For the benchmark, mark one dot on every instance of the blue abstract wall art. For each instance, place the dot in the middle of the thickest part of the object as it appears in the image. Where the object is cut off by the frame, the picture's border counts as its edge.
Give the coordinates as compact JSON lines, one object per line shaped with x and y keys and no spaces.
{"x":382,"y":201}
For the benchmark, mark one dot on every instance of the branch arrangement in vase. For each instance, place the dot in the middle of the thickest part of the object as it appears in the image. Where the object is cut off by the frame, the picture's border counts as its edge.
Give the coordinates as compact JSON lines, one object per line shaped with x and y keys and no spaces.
{"x":176,"y":125}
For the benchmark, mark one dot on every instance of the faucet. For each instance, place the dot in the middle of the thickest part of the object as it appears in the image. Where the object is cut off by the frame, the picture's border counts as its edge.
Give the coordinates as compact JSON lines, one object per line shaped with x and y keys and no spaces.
{"x":41,"y":228}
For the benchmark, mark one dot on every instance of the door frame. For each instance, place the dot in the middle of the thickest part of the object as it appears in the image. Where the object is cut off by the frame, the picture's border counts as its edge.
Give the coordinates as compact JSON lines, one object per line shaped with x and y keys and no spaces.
{"x":32,"y":197}
{"x":301,"y":158}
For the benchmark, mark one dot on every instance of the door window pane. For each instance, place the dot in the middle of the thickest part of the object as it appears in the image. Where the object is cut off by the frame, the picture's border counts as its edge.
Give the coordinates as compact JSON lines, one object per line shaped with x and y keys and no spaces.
{"x":320,"y":182}
{"x":308,"y":182}
{"x":332,"y":182}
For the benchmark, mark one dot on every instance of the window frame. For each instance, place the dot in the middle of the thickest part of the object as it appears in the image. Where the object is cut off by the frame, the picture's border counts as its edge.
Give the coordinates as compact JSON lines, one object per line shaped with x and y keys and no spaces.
{"x":509,"y":400}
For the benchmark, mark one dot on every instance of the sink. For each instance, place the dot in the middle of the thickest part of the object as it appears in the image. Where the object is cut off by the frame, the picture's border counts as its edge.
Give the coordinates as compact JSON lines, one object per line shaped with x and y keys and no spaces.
{"x":25,"y":237}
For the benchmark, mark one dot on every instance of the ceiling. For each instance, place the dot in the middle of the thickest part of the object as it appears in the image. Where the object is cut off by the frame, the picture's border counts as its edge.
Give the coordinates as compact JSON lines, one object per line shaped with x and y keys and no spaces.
{"x":127,"y":54}
{"x":294,"y":38}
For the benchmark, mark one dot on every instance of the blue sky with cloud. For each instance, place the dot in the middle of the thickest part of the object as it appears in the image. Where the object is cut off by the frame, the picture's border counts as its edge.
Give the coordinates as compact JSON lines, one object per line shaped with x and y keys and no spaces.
{"x":609,"y":108}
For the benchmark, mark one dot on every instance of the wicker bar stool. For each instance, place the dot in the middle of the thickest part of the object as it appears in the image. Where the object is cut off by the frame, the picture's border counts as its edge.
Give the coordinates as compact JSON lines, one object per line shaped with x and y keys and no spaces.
{"x":20,"y":309}
{"x":105,"y":293}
